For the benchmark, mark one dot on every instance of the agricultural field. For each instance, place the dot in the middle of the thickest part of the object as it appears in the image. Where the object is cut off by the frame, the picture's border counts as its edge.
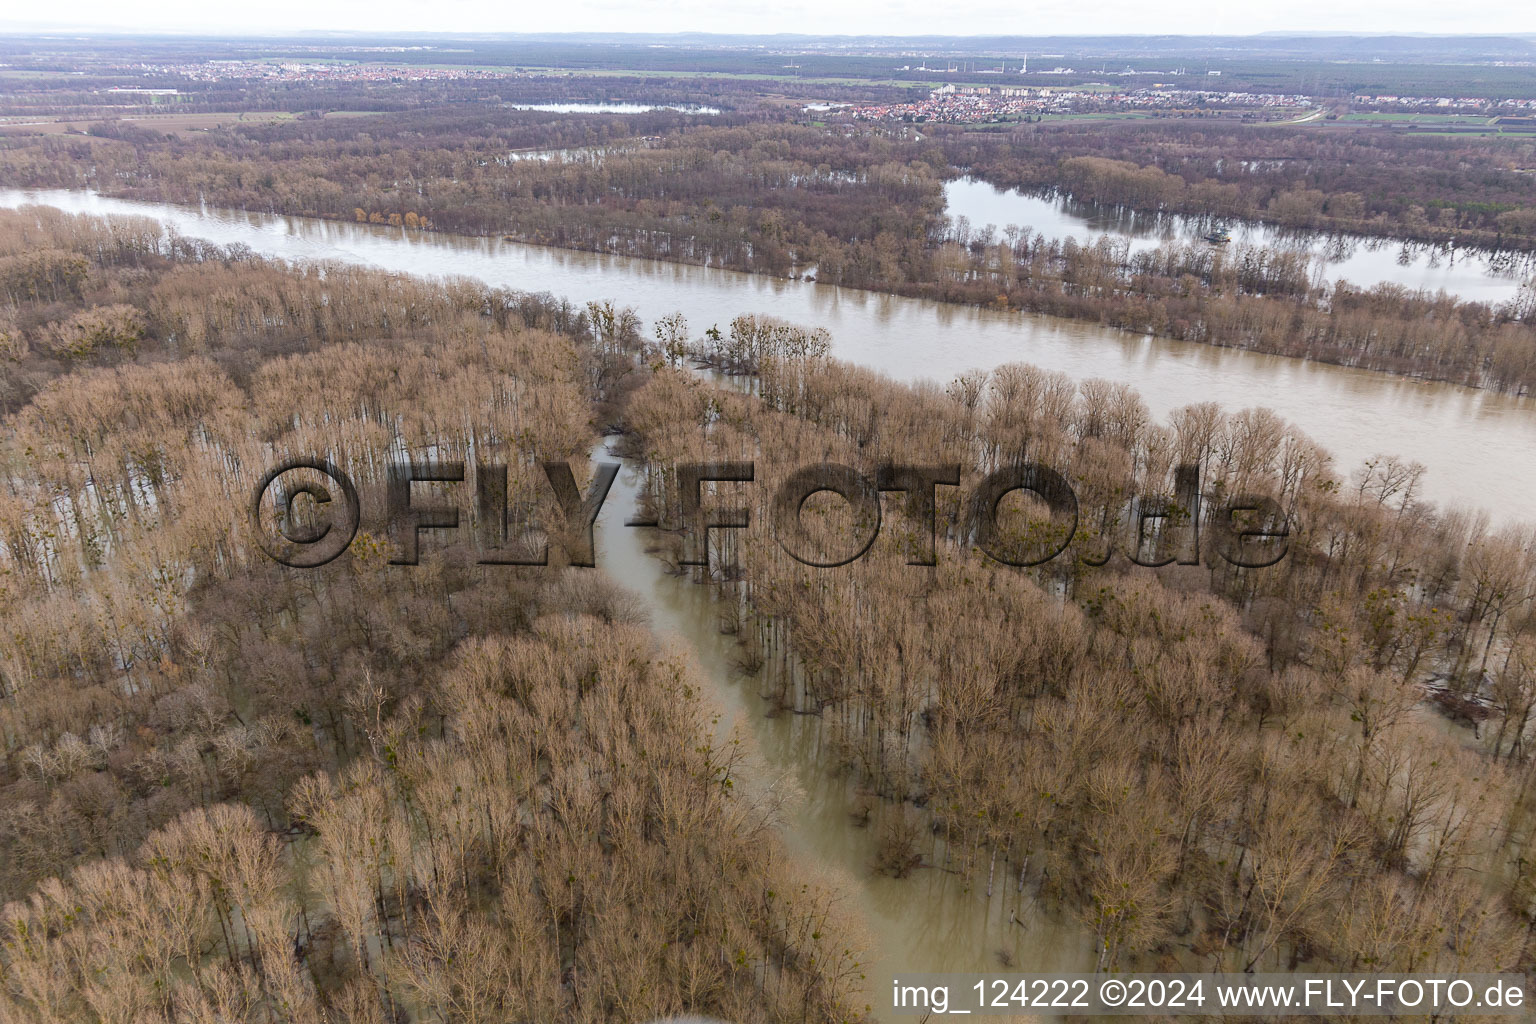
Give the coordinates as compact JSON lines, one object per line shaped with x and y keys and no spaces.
{"x":179,"y":124}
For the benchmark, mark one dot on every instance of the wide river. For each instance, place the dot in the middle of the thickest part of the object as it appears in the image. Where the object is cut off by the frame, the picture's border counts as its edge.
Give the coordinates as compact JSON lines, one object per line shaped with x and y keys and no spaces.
{"x":1478,"y":446}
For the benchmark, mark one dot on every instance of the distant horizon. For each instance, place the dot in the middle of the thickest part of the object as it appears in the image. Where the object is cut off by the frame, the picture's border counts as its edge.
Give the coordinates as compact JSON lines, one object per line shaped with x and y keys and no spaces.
{"x":788,"y":19}
{"x":8,"y":28}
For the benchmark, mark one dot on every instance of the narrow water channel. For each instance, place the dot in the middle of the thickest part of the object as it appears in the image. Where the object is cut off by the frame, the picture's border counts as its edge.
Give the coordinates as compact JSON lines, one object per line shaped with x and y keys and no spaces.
{"x":936,"y":919}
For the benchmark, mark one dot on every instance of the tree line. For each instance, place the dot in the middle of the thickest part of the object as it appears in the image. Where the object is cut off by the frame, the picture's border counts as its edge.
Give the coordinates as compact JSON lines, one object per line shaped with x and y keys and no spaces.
{"x":1239,"y":296}
{"x":757,"y":197}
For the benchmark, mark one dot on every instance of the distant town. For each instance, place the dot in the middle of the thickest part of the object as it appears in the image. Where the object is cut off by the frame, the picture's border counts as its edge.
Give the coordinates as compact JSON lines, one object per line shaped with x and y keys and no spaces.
{"x":953,"y":104}
{"x":974,"y":104}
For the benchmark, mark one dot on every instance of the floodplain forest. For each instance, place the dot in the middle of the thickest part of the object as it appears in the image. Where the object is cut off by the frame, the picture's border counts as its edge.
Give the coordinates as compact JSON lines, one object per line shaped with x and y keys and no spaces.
{"x":236,"y":791}
{"x":1323,"y":763}
{"x":459,"y":792}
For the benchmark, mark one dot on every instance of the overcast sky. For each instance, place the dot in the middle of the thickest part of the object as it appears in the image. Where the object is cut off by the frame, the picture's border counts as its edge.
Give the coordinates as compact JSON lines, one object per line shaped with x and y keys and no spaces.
{"x":894,"y":17}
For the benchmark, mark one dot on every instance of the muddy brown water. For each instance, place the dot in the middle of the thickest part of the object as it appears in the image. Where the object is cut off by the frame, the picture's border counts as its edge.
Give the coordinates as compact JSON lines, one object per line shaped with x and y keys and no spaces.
{"x":1478,"y":446}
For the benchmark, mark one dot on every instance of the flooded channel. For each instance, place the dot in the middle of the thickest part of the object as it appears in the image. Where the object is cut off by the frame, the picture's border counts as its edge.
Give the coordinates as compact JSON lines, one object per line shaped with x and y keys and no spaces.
{"x":937,"y":918}
{"x":1473,"y":274}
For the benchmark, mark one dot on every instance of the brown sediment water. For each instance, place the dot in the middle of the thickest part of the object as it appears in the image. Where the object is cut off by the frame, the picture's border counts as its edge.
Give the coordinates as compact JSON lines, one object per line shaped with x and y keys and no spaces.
{"x":1476,"y":445}
{"x":938,"y":918}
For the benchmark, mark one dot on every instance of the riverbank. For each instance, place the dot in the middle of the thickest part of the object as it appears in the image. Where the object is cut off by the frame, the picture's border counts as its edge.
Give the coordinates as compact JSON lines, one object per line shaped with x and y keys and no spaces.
{"x":1252,"y":297}
{"x":1491,"y":276}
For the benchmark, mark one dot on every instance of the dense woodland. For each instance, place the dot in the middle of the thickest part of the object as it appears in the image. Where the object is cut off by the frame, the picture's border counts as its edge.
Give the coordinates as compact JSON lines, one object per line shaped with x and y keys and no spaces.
{"x":232,"y":791}
{"x":1325,"y":763}
{"x":864,"y":207}
{"x":754,"y":197}
{"x":1469,"y":190}
{"x":458,"y":792}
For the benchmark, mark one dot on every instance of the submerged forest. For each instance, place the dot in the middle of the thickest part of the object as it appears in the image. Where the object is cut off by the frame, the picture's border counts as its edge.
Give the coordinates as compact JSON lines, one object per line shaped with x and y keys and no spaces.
{"x":1138,"y":684}
{"x":468,"y":792}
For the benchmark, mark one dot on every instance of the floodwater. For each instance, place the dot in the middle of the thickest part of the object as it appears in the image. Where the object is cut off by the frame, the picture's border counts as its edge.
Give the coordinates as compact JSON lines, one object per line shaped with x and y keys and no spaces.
{"x":1473,"y":274}
{"x":936,"y":919}
{"x":1477,"y":446}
